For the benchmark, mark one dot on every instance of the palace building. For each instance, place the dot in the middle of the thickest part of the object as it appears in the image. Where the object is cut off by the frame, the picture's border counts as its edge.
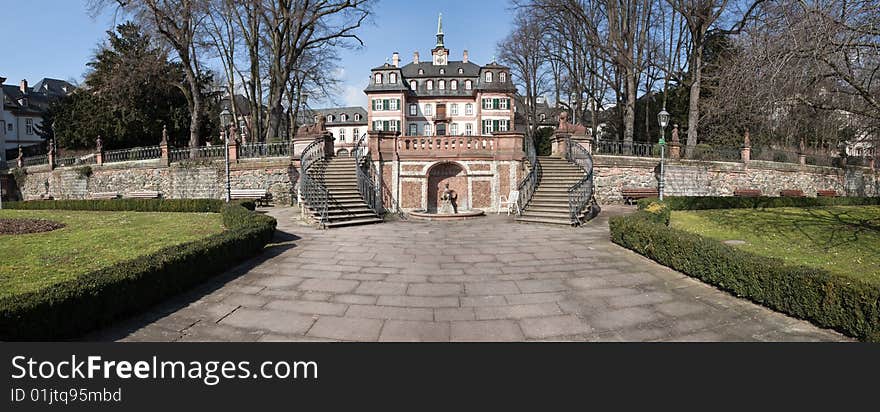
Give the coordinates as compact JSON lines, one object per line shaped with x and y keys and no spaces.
{"x":441,"y":97}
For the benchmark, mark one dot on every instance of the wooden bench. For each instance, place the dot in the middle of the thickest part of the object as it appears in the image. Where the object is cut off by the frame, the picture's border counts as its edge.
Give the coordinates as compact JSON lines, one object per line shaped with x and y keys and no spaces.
{"x":632,"y":194}
{"x":826,"y":193}
{"x":261,"y":196}
{"x":792,"y":193}
{"x":747,"y":192}
{"x":143,"y":194}
{"x":103,"y":195}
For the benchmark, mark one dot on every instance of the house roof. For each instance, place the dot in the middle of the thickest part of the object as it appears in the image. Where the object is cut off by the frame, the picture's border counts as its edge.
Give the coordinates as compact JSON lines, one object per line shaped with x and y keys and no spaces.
{"x":308,"y":117}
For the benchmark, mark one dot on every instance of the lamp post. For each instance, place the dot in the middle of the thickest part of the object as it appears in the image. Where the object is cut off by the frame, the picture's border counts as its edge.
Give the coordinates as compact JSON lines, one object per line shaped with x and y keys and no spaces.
{"x":225,"y":122}
{"x":663,"y":119}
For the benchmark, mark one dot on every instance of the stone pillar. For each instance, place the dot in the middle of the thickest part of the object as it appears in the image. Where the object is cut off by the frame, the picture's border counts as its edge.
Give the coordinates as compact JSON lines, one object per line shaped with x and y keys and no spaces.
{"x":383,"y":145}
{"x":559,"y":144}
{"x":508,"y":146}
{"x":746,"y":151}
{"x":232,"y":147}
{"x":51,"y":154}
{"x":163,"y":147}
{"x":329,"y":144}
{"x":99,"y":151}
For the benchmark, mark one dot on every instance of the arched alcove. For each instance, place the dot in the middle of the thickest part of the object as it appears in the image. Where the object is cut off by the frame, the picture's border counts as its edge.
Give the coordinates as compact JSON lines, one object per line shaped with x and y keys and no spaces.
{"x":442,"y":173}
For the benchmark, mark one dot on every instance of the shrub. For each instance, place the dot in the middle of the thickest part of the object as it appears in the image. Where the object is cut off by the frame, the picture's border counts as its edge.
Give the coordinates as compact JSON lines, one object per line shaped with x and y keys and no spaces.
{"x":847,"y":305}
{"x":658,"y":212}
{"x":71,"y":308}
{"x":733,"y":202}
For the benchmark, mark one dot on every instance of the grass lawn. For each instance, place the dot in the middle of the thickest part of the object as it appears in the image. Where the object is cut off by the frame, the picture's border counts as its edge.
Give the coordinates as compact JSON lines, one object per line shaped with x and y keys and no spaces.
{"x":844,"y":240}
{"x":90,"y":240}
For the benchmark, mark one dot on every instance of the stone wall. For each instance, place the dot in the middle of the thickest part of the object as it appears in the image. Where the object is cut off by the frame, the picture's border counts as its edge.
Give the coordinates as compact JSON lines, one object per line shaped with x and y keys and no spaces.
{"x":700,"y":178}
{"x":184,"y":180}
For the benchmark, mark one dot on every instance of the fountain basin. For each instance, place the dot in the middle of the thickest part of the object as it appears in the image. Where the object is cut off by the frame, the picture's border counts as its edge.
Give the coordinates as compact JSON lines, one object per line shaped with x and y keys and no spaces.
{"x":461,"y":215}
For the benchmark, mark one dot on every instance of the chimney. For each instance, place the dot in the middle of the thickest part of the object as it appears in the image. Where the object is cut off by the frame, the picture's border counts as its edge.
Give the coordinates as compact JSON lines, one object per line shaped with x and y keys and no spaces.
{"x":464,"y":58}
{"x":23,"y":86}
{"x":416,"y":57}
{"x":395,"y":59}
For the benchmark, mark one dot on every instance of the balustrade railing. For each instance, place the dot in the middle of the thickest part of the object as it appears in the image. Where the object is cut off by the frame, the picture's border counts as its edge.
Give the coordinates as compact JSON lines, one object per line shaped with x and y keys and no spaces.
{"x":618,"y":148}
{"x":196,"y":153}
{"x":255,"y":150}
{"x":445,"y":144}
{"x":65,"y":161}
{"x":529,"y":183}
{"x":35,"y":160}
{"x":132,"y":154}
{"x":366,"y":176}
{"x":580,"y":195}
{"x":311,"y":180}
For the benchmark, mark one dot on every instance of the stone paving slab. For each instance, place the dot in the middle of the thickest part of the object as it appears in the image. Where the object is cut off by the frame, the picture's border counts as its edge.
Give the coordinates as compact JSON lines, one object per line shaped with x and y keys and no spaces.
{"x":489,"y":279}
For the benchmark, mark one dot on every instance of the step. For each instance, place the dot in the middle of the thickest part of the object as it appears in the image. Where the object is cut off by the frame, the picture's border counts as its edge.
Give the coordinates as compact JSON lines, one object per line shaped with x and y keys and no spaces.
{"x":353,"y":222}
{"x":549,"y":215}
{"x":544,"y":204}
{"x":547,"y":208}
{"x":560,"y":222}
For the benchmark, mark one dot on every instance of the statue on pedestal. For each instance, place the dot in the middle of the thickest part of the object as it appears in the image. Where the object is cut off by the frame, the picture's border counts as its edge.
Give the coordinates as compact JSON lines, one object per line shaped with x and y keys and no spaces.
{"x":448,"y":198}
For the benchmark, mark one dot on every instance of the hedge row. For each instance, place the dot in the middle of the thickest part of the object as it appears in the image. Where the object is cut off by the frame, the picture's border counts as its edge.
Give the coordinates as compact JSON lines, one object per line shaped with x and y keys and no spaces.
{"x":135,"y":205}
{"x":733,"y":202}
{"x":847,"y":305}
{"x":71,"y":308}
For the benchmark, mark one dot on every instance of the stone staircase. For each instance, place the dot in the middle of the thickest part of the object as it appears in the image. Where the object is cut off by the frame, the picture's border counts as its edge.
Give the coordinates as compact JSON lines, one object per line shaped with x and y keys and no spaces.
{"x":549,"y":204}
{"x":347,"y":207}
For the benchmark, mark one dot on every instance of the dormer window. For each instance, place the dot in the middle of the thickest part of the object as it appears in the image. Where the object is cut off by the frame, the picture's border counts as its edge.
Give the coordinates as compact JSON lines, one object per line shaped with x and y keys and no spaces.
{"x":502,"y":77}
{"x":343,"y":117}
{"x":442,"y":71}
{"x":329,"y":118}
{"x":421,"y":71}
{"x":460,"y":70}
{"x":468,"y":85}
{"x":488,"y":77}
{"x":378,"y":78}
{"x":316,"y":119}
{"x":413,"y":85}
{"x":453,"y":85}
{"x":392,"y":78}
{"x":441,"y":85}
{"x":357,"y":117}
{"x":430,"y":85}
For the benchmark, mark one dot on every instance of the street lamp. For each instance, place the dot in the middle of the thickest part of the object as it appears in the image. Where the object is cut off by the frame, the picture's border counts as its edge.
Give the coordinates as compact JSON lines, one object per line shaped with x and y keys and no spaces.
{"x":225,"y":122}
{"x":663,"y":119}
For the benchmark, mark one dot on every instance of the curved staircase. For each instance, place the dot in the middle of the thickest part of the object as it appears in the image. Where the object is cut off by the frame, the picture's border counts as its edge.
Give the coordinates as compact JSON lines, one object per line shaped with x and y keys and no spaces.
{"x":346,"y":206}
{"x":549,"y":204}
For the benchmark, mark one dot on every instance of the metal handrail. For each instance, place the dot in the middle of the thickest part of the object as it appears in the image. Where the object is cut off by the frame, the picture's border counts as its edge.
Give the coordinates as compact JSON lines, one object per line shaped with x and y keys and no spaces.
{"x":255,"y":150}
{"x":366,"y":176}
{"x":529,"y":184}
{"x":134,"y":153}
{"x":311,"y":180}
{"x":580,"y":194}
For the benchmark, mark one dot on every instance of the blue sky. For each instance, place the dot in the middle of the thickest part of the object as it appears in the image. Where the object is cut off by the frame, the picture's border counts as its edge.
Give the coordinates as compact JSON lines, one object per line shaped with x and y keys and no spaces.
{"x":59,"y":37}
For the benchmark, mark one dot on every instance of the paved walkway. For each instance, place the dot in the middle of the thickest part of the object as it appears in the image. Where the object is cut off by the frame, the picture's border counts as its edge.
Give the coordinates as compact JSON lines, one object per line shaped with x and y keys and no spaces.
{"x":481,"y":280}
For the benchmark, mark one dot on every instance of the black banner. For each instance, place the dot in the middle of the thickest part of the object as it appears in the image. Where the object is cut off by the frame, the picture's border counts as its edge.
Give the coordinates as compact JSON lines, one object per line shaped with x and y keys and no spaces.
{"x":330,"y":376}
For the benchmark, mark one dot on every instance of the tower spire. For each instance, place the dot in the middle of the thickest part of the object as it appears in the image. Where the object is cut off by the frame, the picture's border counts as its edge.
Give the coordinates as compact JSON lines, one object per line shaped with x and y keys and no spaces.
{"x":440,"y":30}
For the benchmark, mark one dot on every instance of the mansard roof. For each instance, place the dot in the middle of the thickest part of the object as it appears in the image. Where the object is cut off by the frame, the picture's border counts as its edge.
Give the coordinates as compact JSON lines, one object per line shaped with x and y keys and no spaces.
{"x":451,"y":70}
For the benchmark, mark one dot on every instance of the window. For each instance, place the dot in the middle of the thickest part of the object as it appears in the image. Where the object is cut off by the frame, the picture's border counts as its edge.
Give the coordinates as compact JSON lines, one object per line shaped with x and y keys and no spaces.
{"x":341,"y":134}
{"x":421,"y":71}
{"x":413,"y":85}
{"x":330,"y":118}
{"x":413,"y":129}
{"x":502,"y":125}
{"x":428,"y":129}
{"x":393,"y":125}
{"x":442,"y":71}
{"x":468,"y":129}
{"x":468,"y":109}
{"x":378,"y":78}
{"x":453,"y":109}
{"x":543,"y":117}
{"x":502,"y":103}
{"x":496,"y":104}
{"x":487,"y":104}
{"x":413,"y":109}
{"x":468,"y":85}
{"x":356,"y":133}
{"x":386,"y":125}
{"x":392,"y":78}
{"x":460,"y":70}
{"x":502,"y":77}
{"x":441,"y":85}
{"x":487,"y":127}
{"x":386,"y":104}
{"x":453,"y":85}
{"x":29,"y":126}
{"x":453,"y":129}
{"x":316,"y":118}
{"x":394,"y":103}
{"x":357,"y":117}
{"x":488,"y":77}
{"x":429,"y":110}
{"x":430,"y":85}
{"x":343,"y":118}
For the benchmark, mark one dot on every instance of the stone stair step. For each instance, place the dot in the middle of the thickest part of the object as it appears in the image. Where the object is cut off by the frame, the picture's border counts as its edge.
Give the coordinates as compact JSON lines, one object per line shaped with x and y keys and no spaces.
{"x":353,"y":222}
{"x":544,"y":221}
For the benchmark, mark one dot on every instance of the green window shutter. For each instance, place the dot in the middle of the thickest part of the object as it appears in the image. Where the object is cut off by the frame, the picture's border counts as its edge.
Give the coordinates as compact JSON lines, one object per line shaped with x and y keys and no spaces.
{"x":495,"y":125}
{"x":385,"y":126}
{"x":399,"y":107}
{"x":496,"y":104}
{"x":385,"y":104}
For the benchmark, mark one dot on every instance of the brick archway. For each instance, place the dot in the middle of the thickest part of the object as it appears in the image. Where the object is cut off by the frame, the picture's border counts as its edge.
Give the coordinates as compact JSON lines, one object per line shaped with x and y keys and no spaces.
{"x":447,"y":172}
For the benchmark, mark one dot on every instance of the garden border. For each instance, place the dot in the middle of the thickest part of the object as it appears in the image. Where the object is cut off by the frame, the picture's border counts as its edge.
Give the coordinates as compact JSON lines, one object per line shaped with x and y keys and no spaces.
{"x":849,"y":306}
{"x":71,"y":308}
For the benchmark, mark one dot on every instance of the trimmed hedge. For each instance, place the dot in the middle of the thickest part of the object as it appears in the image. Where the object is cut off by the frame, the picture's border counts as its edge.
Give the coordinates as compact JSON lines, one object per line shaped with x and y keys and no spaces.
{"x":733,"y":202}
{"x":847,"y":305}
{"x":122,"y":205}
{"x":72,"y":308}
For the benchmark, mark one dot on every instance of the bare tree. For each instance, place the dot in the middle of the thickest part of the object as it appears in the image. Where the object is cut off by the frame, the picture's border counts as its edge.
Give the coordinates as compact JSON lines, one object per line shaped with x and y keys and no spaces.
{"x":524,"y":52}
